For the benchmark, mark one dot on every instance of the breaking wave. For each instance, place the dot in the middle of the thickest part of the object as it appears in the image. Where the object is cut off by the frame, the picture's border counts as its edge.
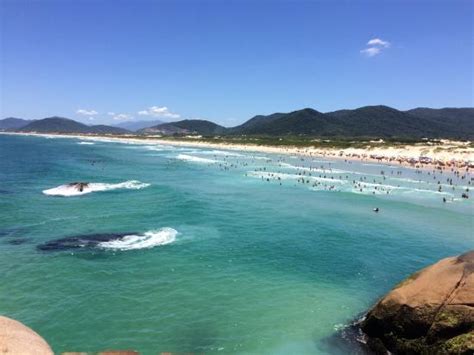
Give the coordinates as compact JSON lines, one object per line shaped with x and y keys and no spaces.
{"x":220,"y":152}
{"x":112,"y":241}
{"x":146,"y":240}
{"x":73,"y":190}
{"x":194,"y":159}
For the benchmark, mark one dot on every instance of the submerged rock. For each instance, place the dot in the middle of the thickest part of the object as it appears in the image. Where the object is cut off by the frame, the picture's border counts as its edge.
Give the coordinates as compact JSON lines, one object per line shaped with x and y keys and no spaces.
{"x":16,"y":338}
{"x":17,"y":241}
{"x":80,"y":241}
{"x":431,"y":312}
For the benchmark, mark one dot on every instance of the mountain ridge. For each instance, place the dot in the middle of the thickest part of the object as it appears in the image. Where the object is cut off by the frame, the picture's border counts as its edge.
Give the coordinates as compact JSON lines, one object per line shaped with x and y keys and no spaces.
{"x":376,"y":121}
{"x":57,"y":124}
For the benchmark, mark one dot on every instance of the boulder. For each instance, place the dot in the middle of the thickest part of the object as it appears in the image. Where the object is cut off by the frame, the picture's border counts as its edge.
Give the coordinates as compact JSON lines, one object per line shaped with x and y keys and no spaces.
{"x":431,"y":312}
{"x":16,"y":338}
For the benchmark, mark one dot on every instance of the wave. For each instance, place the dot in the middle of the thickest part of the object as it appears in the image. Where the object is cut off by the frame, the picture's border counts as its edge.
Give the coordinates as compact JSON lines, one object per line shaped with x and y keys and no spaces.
{"x":146,"y":240}
{"x":72,"y":189}
{"x":359,"y":187}
{"x":86,"y":143}
{"x":192,"y":158}
{"x":157,"y":148}
{"x":282,"y":176}
{"x":258,"y":157}
{"x":316,"y":170}
{"x":219,"y":152}
{"x":380,"y":165}
{"x":114,"y":241}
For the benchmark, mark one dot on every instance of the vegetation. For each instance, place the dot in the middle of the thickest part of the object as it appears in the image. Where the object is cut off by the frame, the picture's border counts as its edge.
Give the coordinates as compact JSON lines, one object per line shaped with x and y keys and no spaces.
{"x":370,"y":122}
{"x":65,"y":125}
{"x":186,"y":127}
{"x":305,"y":127}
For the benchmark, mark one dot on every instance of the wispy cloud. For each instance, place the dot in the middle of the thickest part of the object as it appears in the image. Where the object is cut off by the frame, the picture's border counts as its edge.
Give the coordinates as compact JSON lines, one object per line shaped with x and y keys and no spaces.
{"x":158,"y":111}
{"x":87,"y":112}
{"x":371,"y":51}
{"x":378,"y":42}
{"x":375,"y":47}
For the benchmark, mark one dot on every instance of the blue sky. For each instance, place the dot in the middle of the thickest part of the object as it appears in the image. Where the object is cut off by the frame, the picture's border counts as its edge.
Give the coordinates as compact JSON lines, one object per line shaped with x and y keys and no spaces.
{"x":226,"y":61}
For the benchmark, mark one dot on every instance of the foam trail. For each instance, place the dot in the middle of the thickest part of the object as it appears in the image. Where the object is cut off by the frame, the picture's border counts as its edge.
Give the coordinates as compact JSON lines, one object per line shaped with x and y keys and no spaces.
{"x":71,"y":190}
{"x":157,"y":148}
{"x":219,"y":152}
{"x":274,"y":175}
{"x":194,"y":159}
{"x":258,"y":157}
{"x":146,"y":240}
{"x":86,"y":143}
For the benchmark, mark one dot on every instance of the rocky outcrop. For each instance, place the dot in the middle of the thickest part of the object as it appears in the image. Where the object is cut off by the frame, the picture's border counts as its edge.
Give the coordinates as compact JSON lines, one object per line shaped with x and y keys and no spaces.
{"x":80,"y":186}
{"x":16,"y":338}
{"x":431,"y":312}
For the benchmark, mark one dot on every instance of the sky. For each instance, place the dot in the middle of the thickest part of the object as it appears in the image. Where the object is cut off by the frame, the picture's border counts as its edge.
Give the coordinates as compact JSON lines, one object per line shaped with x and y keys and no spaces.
{"x":226,"y":61}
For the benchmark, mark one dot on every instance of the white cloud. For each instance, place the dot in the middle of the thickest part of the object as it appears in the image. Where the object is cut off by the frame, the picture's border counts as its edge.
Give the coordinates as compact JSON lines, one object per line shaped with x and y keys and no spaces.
{"x":121,"y":116}
{"x":378,"y":42}
{"x":157,"y":111}
{"x":87,"y":112}
{"x":375,"y":47}
{"x":371,"y":51}
{"x":111,"y":113}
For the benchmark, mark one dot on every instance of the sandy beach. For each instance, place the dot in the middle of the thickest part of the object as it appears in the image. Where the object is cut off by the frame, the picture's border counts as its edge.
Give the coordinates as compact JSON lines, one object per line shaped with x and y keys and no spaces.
{"x":446,"y":155}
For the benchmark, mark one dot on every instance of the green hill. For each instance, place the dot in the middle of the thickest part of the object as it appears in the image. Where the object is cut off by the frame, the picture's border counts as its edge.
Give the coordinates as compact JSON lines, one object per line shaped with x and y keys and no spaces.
{"x":12,"y":123}
{"x":367,"y":122}
{"x":363,"y":122}
{"x":65,"y":125}
{"x":55,"y":125}
{"x":382,"y":121}
{"x":453,"y":120}
{"x":302,"y":122}
{"x":201,"y":127}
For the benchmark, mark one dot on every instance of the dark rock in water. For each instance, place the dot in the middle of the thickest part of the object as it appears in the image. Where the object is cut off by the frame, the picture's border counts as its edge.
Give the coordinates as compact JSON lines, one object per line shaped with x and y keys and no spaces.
{"x":80,"y":241}
{"x":80,"y":186}
{"x":7,"y":232}
{"x":17,"y":241}
{"x":431,"y":312}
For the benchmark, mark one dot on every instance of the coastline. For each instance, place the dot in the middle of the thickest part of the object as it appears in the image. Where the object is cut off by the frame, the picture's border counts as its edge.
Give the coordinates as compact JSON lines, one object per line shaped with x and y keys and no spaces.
{"x":450,"y":155}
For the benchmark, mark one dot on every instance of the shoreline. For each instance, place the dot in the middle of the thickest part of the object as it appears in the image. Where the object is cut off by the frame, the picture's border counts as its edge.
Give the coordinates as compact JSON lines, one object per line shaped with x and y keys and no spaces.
{"x":423,"y":156}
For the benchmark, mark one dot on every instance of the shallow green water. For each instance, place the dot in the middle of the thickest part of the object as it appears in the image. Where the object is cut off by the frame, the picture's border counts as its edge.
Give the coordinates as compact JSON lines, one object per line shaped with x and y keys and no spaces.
{"x":255,"y":267}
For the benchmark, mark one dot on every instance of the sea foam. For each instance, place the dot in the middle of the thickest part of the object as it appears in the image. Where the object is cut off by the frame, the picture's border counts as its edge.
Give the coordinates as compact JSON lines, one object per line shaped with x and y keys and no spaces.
{"x":219,"y":152}
{"x":146,"y":240}
{"x":194,"y":159}
{"x":71,"y":190}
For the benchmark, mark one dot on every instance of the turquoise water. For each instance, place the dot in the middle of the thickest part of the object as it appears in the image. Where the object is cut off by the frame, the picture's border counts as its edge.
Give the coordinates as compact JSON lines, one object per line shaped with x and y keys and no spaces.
{"x":232,"y":263}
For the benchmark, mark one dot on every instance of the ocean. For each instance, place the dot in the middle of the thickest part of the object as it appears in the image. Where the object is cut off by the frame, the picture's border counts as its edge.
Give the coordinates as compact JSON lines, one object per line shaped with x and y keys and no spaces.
{"x":176,"y":249}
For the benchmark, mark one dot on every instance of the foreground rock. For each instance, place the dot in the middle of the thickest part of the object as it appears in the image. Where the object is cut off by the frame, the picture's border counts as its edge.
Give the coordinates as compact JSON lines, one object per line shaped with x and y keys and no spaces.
{"x":431,"y":312}
{"x":15,"y":338}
